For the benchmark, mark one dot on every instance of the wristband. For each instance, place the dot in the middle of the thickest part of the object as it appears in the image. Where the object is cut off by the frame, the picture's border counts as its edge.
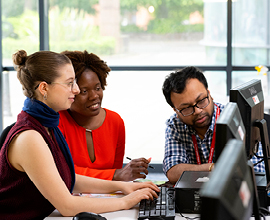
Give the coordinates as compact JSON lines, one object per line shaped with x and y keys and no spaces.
{"x":210,"y":167}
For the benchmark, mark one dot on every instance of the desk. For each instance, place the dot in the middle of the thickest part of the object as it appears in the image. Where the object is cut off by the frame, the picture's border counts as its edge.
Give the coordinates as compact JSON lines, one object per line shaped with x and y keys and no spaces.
{"x":122,"y":215}
{"x":131,"y":214}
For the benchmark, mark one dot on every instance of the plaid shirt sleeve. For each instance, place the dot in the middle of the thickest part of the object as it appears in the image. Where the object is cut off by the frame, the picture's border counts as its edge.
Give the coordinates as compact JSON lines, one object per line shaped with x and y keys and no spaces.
{"x":260,"y":167}
{"x":175,"y":152}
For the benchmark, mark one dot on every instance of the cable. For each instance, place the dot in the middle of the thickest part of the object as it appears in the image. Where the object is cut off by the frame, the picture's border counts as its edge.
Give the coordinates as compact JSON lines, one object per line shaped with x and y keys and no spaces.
{"x":258,"y":156}
{"x":188,"y":218}
{"x":255,"y":164}
{"x":264,"y":211}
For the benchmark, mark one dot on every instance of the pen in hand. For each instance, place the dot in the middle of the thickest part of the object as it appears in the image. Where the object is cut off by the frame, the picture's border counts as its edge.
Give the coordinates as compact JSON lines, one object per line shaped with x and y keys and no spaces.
{"x":148,"y":166}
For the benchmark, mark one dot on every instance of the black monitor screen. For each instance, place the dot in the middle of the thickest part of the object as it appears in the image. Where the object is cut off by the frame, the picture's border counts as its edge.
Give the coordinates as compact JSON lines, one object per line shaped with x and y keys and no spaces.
{"x":229,"y":125}
{"x":250,"y":101}
{"x":230,"y":191}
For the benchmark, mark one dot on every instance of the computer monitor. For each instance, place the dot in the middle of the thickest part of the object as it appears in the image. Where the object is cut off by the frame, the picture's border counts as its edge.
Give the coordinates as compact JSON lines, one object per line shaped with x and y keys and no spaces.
{"x":250,"y":101}
{"x":230,"y":192}
{"x":229,"y":125}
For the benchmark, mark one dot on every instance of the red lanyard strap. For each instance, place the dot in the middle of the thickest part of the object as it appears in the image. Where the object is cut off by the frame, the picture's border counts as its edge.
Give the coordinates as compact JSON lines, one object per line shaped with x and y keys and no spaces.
{"x":212,"y":149}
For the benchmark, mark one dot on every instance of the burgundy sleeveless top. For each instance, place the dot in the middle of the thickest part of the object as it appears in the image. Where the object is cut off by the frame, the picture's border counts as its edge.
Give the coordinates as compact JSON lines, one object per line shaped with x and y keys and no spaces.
{"x":19,"y":197}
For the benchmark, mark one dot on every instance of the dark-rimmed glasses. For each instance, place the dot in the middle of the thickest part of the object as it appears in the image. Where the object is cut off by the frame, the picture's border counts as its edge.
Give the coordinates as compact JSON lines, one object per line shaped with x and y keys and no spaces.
{"x":191,"y":109}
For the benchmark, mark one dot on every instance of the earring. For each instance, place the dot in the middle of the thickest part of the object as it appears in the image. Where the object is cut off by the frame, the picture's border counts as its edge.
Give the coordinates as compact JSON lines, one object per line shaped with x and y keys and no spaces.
{"x":45,"y":96}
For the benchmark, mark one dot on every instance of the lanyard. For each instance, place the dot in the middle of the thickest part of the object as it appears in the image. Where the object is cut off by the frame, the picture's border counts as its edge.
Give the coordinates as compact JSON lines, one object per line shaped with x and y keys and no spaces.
{"x":212,"y":144}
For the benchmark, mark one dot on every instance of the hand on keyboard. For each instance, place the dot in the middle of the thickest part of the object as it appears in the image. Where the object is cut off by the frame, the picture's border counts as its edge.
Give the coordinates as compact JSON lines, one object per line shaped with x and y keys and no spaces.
{"x":162,"y":207}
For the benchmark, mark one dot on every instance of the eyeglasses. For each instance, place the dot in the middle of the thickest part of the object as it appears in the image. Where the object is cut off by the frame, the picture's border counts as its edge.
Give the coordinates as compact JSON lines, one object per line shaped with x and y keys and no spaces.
{"x":69,"y":84}
{"x":191,"y":109}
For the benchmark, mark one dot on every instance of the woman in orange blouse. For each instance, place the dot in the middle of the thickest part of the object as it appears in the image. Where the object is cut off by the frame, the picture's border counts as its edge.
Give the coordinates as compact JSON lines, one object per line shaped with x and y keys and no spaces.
{"x":95,"y":135}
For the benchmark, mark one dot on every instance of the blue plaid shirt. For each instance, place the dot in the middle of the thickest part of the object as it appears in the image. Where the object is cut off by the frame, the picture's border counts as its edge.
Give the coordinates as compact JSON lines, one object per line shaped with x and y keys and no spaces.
{"x":179,"y":145}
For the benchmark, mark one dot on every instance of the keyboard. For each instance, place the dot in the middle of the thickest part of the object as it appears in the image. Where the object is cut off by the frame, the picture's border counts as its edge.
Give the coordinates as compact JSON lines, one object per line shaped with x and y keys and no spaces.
{"x":162,"y":207}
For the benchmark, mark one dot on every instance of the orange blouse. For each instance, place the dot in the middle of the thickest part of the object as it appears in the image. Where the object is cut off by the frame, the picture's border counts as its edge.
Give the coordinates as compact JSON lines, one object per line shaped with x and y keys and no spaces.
{"x":108,"y":141}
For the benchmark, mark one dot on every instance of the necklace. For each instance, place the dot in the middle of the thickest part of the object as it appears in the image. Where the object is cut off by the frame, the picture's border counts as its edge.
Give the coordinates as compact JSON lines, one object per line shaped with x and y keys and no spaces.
{"x":88,"y":130}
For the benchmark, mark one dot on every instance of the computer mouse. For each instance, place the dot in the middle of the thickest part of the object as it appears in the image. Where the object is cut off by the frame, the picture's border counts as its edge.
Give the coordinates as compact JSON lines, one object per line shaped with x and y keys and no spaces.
{"x":88,"y":216}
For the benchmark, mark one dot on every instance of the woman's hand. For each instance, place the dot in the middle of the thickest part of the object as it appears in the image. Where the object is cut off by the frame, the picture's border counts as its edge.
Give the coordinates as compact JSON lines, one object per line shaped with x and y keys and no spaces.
{"x":129,"y":187}
{"x":135,"y":197}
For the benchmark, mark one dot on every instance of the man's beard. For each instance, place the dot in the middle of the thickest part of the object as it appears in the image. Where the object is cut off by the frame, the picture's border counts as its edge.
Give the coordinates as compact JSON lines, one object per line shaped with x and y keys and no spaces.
{"x":206,"y":123}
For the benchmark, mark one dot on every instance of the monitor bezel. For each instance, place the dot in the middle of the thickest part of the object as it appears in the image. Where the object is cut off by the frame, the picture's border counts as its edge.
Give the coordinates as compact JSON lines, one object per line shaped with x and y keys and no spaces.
{"x":229,"y":125}
{"x":214,"y":202}
{"x":250,"y":100}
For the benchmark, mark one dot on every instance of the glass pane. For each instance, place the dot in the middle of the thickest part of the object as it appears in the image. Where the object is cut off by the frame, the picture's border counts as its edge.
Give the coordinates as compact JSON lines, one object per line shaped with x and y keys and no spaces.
{"x":149,"y":32}
{"x":251,"y":32}
{"x":20,"y":28}
{"x":215,"y":32}
{"x":13,"y":97}
{"x":240,"y":77}
{"x":217,"y":85}
{"x":138,"y":98}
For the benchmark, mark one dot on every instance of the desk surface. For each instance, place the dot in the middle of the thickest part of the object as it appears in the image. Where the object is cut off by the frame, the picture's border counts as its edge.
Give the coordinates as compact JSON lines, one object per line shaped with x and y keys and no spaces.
{"x":131,"y":214}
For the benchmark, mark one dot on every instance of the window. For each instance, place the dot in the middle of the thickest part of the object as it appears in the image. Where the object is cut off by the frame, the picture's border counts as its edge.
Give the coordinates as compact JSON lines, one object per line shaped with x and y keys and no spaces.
{"x":152,"y":33}
{"x":251,"y":32}
{"x":20,"y":28}
{"x":142,"y":41}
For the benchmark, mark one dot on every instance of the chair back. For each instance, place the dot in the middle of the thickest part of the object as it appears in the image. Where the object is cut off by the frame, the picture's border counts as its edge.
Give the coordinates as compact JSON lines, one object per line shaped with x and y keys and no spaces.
{"x":4,"y":134}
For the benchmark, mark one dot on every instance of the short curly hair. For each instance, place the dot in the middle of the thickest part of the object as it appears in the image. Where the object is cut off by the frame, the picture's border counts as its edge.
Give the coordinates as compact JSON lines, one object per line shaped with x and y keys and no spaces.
{"x":82,"y":60}
{"x":176,"y":81}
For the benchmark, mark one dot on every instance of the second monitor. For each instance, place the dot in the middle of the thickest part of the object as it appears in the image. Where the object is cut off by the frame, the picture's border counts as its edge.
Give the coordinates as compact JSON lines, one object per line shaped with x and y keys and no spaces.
{"x":250,"y":101}
{"x":229,"y":125}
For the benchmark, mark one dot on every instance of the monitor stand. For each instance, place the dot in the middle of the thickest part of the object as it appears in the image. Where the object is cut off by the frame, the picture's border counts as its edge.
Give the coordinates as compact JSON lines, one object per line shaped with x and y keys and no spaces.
{"x":256,"y":204}
{"x":263,"y":182}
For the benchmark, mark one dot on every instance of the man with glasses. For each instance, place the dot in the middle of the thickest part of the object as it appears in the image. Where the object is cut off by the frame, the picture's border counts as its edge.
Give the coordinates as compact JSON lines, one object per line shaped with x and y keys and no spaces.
{"x":189,"y":142}
{"x":190,"y":132}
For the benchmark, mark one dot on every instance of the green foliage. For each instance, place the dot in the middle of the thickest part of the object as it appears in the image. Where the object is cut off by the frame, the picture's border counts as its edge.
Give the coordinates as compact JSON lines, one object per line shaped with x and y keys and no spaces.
{"x":132,"y":28}
{"x":73,"y":31}
{"x":100,"y":47}
{"x":11,"y":45}
{"x":166,"y":8}
{"x":168,"y":15}
{"x":21,"y":32}
{"x":169,"y":26}
{"x":25,"y":25}
{"x":130,"y":5}
{"x":178,"y":9}
{"x":69,"y":30}
{"x":84,"y":5}
{"x":12,"y":8}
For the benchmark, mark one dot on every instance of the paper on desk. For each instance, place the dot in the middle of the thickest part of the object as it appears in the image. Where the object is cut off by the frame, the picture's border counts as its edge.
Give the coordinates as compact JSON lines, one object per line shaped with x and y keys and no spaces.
{"x":157,"y":182}
{"x":112,"y":195}
{"x":156,"y":178}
